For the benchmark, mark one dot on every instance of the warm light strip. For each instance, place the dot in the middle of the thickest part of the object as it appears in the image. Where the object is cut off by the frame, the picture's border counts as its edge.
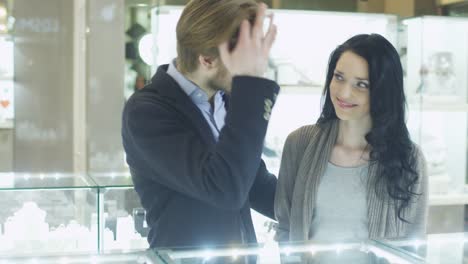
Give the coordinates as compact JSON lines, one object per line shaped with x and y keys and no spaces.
{"x":449,"y":2}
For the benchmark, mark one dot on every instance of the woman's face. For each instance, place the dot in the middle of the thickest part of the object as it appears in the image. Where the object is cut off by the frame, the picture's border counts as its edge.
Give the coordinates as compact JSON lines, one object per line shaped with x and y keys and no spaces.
{"x":349,"y":88}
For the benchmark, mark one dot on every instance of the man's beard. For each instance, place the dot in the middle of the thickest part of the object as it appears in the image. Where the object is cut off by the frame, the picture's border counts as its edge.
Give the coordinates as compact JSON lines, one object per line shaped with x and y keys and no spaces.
{"x":221,"y":81}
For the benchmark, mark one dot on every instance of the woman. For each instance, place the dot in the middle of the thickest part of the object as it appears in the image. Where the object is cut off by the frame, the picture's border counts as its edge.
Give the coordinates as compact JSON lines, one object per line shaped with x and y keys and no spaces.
{"x":355,"y":174}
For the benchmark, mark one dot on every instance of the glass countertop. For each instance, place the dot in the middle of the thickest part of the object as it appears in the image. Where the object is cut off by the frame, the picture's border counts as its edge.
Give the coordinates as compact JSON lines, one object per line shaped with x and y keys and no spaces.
{"x":437,"y":248}
{"x":26,"y":181}
{"x":363,"y":252}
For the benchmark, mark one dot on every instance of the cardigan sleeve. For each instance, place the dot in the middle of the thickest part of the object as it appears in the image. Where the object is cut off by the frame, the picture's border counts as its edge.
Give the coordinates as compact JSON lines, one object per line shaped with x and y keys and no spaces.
{"x":285,"y":187}
{"x":417,"y":228}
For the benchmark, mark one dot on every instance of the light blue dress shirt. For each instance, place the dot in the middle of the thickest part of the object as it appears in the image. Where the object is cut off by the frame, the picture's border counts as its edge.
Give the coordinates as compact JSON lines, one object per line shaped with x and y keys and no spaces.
{"x":214,"y":115}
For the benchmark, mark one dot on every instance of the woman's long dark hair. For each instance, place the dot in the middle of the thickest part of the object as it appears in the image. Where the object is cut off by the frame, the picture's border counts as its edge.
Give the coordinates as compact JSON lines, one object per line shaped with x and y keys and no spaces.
{"x":389,"y":138}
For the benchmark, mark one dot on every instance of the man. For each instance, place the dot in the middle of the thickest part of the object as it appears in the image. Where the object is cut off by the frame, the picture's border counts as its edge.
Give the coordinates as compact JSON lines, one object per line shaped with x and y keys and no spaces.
{"x":194,"y":136}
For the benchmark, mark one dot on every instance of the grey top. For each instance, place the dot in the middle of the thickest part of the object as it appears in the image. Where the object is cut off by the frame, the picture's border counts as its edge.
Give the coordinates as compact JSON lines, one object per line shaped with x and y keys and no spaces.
{"x":305,"y":157}
{"x":341,"y":213}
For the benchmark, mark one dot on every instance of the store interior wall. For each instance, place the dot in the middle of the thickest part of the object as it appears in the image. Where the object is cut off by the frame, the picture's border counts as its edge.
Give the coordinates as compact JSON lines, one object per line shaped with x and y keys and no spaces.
{"x":43,"y":86}
{"x":105,"y":79}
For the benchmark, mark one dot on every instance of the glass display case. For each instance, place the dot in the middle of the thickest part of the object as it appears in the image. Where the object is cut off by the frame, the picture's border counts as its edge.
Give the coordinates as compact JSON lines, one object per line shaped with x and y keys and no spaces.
{"x":70,"y":213}
{"x":363,"y":252}
{"x":436,"y":59}
{"x":59,"y":212}
{"x":436,"y":86}
{"x":436,"y":249}
{"x":123,"y":220}
{"x":48,"y":213}
{"x":434,"y":55}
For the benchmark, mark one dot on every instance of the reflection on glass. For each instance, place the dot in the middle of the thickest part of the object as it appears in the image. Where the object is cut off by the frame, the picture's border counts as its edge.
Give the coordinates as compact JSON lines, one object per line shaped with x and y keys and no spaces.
{"x":437,"y":65}
{"x":362,"y":252}
{"x":437,"y":248}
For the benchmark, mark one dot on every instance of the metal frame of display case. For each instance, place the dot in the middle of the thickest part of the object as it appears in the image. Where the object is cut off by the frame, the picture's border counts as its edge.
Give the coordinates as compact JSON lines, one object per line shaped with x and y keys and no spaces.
{"x":379,"y":249}
{"x":437,"y":93}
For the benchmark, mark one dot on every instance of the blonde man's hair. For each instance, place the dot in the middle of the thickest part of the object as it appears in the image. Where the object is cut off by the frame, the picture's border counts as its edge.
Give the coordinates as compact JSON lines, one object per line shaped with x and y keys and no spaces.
{"x":205,"y":24}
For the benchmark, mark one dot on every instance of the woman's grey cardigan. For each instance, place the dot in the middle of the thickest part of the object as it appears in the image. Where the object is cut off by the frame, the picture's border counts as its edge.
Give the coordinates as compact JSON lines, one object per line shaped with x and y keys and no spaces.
{"x":305,"y":156}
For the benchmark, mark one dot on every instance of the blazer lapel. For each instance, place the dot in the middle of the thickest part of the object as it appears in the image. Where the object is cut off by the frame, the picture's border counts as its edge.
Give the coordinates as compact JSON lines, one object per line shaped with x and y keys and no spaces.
{"x":168,"y":88}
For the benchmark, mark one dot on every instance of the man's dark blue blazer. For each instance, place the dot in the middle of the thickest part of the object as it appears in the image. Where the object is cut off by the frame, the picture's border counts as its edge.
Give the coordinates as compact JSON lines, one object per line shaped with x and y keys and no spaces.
{"x":196,"y":191}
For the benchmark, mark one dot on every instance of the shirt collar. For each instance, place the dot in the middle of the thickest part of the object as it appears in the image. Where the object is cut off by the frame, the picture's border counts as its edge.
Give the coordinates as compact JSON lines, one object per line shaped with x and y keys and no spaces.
{"x":195,"y":93}
{"x":190,"y":88}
